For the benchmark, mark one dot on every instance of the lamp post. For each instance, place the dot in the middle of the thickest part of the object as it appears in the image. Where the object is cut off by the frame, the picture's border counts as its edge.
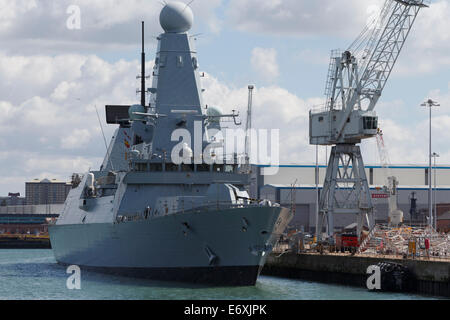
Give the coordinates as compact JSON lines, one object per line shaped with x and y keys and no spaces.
{"x":318,"y":233}
{"x":430,"y":104}
{"x":435,"y":155}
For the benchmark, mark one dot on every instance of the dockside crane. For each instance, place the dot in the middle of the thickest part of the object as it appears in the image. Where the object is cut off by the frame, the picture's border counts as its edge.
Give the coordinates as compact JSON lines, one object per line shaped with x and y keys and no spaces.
{"x":356,"y":79}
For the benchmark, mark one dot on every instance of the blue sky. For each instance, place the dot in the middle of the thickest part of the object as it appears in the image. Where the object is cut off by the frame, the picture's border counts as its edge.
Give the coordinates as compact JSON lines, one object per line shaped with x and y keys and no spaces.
{"x":281,"y":46}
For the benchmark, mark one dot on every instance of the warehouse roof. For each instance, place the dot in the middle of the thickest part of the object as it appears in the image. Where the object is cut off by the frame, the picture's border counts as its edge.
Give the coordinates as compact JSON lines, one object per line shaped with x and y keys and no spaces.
{"x":373,"y":188}
{"x":399,"y":166}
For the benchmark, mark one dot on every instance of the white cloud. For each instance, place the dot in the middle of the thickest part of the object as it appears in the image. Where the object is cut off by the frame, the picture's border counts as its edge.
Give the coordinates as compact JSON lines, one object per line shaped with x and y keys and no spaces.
{"x":300,"y":18}
{"x":51,"y":127}
{"x":264,"y":63}
{"x":427,"y":48}
{"x":443,"y":98}
{"x":10,"y":10}
{"x":30,"y":26}
{"x":77,"y":140}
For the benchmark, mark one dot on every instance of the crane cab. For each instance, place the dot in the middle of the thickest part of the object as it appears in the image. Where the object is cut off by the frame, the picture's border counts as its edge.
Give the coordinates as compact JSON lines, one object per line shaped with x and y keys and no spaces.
{"x":359,"y":125}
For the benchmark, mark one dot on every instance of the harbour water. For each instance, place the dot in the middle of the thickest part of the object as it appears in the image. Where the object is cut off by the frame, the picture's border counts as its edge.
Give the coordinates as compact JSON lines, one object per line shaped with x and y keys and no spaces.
{"x":34,"y":275}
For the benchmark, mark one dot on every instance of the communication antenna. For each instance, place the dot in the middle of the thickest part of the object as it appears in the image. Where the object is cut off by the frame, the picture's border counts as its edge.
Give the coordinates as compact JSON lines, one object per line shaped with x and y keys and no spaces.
{"x":143,"y":77}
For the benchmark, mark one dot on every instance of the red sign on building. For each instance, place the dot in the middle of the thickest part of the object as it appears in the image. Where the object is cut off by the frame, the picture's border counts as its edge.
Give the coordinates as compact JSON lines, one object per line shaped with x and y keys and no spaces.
{"x":380,"y":195}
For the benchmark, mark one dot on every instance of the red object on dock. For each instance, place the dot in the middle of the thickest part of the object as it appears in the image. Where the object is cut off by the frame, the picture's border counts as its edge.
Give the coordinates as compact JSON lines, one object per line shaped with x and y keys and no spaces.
{"x":347,"y":240}
{"x":427,"y":244}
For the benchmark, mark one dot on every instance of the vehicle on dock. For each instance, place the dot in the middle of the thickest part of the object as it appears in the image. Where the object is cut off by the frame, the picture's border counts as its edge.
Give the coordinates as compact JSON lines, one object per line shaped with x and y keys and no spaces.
{"x":346,"y":242}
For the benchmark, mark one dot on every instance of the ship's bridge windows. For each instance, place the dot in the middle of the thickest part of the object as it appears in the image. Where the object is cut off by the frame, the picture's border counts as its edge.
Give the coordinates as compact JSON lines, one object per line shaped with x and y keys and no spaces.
{"x":171,"y":167}
{"x":141,"y":167}
{"x":370,"y":123}
{"x":187,"y":167}
{"x":156,"y":167}
{"x":203,"y":168}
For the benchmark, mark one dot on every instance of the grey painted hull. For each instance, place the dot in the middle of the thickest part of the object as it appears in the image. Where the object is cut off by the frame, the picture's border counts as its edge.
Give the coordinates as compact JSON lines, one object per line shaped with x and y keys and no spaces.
{"x":226,"y":247}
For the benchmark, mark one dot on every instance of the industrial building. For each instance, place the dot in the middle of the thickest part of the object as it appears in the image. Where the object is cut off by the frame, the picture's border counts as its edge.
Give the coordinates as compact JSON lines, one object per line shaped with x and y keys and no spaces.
{"x":45,"y":192}
{"x":294,"y":186}
{"x":13,"y":199}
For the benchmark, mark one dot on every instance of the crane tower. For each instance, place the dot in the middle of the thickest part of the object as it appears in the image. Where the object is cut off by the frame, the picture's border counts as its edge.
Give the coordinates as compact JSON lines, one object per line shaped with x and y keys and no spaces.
{"x":356,"y":79}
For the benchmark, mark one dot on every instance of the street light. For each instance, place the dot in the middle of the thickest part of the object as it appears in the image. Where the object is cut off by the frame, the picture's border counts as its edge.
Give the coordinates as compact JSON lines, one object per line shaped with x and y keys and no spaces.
{"x":318,"y":233}
{"x":430,"y":104}
{"x":435,"y":155}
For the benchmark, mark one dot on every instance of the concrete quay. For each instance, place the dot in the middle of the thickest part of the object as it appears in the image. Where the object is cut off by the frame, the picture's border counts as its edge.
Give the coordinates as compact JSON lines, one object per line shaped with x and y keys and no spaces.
{"x":431,"y":276}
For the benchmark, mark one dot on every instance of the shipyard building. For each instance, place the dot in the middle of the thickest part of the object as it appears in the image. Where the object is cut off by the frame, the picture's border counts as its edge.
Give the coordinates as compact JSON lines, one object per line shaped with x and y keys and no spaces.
{"x":294,"y":186}
{"x":13,"y":199}
{"x":45,"y":192}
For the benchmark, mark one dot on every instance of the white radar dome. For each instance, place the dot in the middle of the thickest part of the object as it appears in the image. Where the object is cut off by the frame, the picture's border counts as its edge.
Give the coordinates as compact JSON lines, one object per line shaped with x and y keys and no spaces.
{"x":176,"y":17}
{"x":214,"y":113}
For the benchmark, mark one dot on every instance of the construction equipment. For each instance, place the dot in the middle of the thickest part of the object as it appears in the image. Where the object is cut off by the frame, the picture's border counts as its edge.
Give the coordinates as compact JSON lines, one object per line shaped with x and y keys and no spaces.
{"x":406,"y":241}
{"x":356,"y":79}
{"x":395,"y":215}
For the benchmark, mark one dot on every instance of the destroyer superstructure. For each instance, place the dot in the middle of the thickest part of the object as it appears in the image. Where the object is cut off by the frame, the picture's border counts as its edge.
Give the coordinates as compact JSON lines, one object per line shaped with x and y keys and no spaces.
{"x":163,"y":205}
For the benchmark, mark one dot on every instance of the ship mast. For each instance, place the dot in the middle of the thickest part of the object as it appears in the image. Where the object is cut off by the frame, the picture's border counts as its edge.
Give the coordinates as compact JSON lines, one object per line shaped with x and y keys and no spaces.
{"x":143,"y":69}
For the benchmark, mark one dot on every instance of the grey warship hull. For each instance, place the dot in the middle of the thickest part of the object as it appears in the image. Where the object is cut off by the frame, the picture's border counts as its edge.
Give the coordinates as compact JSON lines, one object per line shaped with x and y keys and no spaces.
{"x":205,"y":247}
{"x":170,"y":201}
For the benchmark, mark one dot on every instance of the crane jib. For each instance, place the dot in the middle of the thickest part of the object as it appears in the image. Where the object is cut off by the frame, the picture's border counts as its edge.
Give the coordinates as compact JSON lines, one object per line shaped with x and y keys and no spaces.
{"x":419,"y":3}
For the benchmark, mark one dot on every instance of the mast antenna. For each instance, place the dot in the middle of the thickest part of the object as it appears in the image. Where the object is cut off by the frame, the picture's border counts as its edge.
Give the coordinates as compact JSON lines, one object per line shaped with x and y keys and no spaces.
{"x":143,"y":68}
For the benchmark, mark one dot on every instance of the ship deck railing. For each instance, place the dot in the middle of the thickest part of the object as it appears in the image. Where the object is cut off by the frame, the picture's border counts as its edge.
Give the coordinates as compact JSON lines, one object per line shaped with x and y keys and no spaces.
{"x":217,"y":205}
{"x":199,"y":208}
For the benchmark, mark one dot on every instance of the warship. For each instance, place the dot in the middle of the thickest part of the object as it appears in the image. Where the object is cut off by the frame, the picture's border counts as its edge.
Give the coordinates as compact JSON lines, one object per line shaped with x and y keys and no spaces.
{"x":158,"y":208}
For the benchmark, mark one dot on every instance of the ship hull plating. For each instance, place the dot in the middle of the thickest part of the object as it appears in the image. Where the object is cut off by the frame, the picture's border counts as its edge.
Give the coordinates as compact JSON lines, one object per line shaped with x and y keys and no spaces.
{"x":222,"y":247}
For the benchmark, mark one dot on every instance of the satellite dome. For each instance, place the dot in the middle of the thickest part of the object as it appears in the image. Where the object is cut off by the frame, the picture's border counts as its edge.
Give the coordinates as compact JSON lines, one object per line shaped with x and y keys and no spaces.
{"x":176,"y":17}
{"x":214,"y":113}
